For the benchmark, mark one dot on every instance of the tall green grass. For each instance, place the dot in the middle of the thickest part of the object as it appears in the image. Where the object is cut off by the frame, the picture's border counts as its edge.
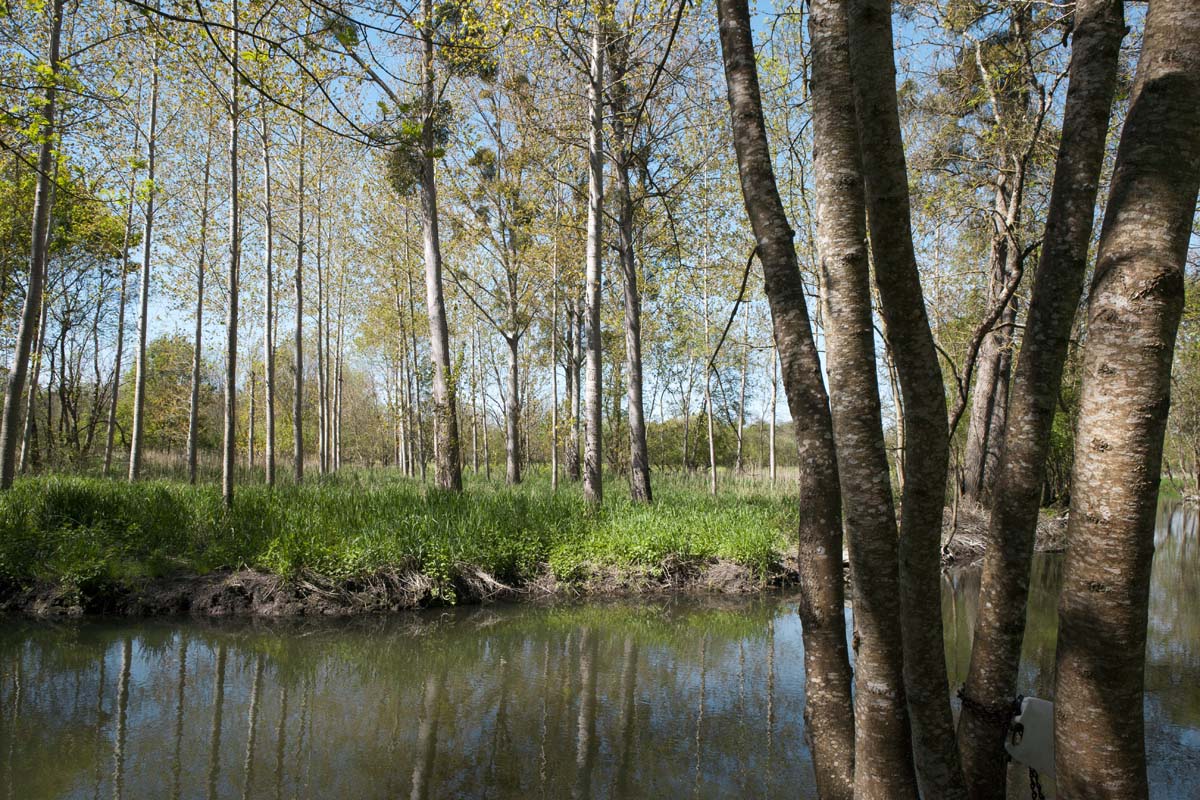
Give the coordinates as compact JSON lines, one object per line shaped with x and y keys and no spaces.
{"x":90,"y":530}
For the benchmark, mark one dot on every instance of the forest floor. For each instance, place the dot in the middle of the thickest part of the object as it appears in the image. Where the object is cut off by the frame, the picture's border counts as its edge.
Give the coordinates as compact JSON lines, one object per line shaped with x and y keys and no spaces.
{"x":371,"y":541}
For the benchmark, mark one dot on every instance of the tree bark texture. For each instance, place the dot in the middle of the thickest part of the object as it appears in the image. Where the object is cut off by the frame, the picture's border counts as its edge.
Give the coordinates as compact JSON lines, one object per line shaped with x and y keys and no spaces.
{"x":883,"y":766}
{"x":826,"y":661}
{"x":1132,"y":318}
{"x":593,"y":456}
{"x":1004,"y":586}
{"x":446,"y":450}
{"x":924,"y":429}
{"x":229,"y":445}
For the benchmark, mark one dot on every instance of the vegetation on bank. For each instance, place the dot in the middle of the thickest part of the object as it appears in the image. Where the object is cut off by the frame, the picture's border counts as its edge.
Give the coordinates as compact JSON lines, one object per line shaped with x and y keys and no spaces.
{"x":98,"y":534}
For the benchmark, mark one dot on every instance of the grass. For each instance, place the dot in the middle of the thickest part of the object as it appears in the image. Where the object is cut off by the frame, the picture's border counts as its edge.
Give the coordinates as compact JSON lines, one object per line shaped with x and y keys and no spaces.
{"x":90,"y":531}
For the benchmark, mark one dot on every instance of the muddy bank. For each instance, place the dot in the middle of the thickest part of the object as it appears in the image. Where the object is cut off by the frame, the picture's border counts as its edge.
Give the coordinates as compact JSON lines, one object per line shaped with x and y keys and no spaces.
{"x":964,"y":540}
{"x":252,"y":594}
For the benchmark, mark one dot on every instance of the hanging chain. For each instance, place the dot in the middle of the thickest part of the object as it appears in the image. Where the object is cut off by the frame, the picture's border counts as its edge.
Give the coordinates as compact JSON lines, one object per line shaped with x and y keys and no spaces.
{"x":999,"y":715}
{"x":1035,"y":785}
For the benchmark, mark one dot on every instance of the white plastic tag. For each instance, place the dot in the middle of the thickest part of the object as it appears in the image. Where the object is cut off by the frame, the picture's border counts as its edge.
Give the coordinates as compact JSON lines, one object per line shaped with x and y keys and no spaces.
{"x":1031,"y":736}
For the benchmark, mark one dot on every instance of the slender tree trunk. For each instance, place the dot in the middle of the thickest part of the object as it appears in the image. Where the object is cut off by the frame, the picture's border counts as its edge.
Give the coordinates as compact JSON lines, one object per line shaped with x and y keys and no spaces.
{"x":139,"y":385}
{"x":10,"y":426}
{"x":553,"y":362}
{"x":708,"y":398}
{"x":337,"y":371}
{"x":512,"y":416}
{"x":197,"y":355}
{"x":1133,"y":315}
{"x":593,"y":488}
{"x":319,"y":336}
{"x":923,"y":427}
{"x":252,"y":390}
{"x":883,"y":751}
{"x":774,"y":402}
{"x":639,"y":453}
{"x":822,"y":604}
{"x":110,"y":434}
{"x":741,"y":424}
{"x":29,"y":438}
{"x":268,"y":306}
{"x":446,"y":446}
{"x":416,"y":376}
{"x":229,"y":460}
{"x":1004,"y":585}
{"x":298,"y":333}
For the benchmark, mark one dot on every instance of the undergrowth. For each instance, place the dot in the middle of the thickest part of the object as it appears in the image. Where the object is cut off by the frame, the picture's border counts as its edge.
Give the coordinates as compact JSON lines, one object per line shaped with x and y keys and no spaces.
{"x":90,"y":531}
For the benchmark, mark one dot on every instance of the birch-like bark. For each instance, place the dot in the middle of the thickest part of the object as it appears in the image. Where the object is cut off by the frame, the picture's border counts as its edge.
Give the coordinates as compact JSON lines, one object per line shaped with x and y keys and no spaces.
{"x":1058,"y":284}
{"x":1133,"y":315}
{"x":593,"y":455}
{"x":229,"y":445}
{"x":446,"y":446}
{"x":822,"y":601}
{"x":883,"y":752}
{"x":139,"y":384}
{"x":10,"y":425}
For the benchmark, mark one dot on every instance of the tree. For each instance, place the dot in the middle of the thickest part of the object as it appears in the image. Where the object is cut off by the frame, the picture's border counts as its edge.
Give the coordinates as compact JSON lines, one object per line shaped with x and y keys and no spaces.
{"x":593,"y":477}
{"x":10,"y":424}
{"x":139,"y":386}
{"x":826,"y":662}
{"x":1133,"y":315}
{"x":881,"y":727}
{"x":1058,"y":283}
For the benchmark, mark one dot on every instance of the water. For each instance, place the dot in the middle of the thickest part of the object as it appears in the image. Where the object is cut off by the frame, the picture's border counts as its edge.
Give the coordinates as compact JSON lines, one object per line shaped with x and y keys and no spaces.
{"x":650,"y":699}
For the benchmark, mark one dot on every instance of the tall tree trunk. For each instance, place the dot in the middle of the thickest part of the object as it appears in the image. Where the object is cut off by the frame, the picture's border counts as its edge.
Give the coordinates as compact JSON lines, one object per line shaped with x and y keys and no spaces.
{"x":197,"y":355}
{"x":416,"y":377}
{"x":708,"y":398}
{"x":319,"y":336}
{"x":1133,"y":315}
{"x":924,"y":429}
{"x":553,"y":362}
{"x":298,"y":333}
{"x":1004,"y":585}
{"x":512,"y":415}
{"x":774,"y":403}
{"x":139,"y":385}
{"x":883,"y":751}
{"x":337,"y":370}
{"x":741,"y":421}
{"x":29,"y":438}
{"x":446,"y":446}
{"x":639,"y":454}
{"x":268,"y":306}
{"x":827,"y":666}
{"x":252,"y":390}
{"x":593,"y":488}
{"x":10,"y":425}
{"x":110,"y":434}
{"x":989,"y":397}
{"x":229,"y":448}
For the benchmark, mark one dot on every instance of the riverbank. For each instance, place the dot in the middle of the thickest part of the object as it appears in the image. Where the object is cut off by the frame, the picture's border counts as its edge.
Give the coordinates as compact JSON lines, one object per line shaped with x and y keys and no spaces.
{"x":369,"y":542}
{"x":373,"y":542}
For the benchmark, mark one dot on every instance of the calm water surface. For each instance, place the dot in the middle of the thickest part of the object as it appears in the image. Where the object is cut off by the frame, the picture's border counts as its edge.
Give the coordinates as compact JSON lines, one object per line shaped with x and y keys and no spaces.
{"x":649,"y":699}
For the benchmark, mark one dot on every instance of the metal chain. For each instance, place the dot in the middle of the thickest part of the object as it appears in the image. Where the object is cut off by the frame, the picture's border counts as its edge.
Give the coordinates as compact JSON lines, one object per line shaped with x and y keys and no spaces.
{"x":1035,"y":785}
{"x":1000,"y":715}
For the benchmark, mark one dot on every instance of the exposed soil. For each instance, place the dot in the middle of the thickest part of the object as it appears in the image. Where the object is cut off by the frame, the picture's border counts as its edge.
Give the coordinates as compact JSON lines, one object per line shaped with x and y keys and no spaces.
{"x":251,"y":594}
{"x":965,"y":540}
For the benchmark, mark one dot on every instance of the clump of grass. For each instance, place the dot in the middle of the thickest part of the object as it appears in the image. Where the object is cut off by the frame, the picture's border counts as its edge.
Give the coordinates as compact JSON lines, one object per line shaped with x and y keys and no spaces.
{"x":91,"y":531}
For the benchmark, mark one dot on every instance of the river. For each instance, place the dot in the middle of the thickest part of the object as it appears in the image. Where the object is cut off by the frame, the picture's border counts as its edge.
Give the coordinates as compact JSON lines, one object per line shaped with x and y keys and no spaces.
{"x":659,"y":698}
